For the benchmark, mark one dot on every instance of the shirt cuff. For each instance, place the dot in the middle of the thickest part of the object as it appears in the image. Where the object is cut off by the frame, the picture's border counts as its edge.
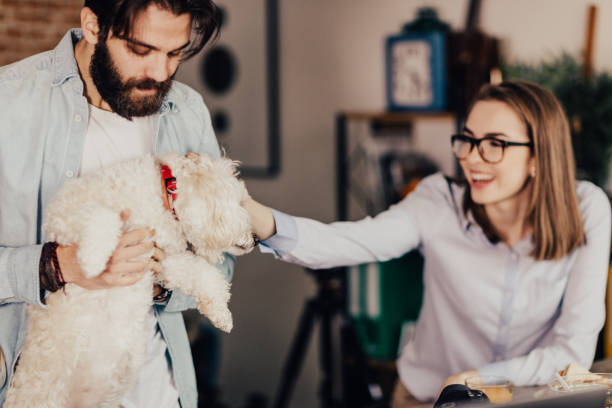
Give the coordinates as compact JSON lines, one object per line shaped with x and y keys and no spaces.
{"x":497,"y":369}
{"x":177,"y":302}
{"x":24,"y":267}
{"x":285,"y":239}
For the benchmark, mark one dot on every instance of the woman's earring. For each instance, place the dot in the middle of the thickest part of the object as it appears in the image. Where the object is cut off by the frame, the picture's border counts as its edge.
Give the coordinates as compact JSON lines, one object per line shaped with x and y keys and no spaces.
{"x":532,"y":171}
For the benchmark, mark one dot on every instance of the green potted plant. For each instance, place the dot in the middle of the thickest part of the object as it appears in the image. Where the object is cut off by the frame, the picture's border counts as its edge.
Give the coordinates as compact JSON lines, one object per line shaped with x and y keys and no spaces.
{"x":588,"y":103}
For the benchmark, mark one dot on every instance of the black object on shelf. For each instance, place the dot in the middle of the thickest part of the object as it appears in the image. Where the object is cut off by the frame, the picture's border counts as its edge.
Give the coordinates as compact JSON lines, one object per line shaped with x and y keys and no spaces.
{"x":472,"y":55}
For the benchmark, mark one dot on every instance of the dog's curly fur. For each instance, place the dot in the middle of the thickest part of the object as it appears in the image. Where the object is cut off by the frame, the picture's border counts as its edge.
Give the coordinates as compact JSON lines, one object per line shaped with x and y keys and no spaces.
{"x":86,"y":348}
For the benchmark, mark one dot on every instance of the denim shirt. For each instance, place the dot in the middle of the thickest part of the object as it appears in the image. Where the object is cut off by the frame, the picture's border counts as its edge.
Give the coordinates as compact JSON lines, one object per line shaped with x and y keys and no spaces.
{"x":43,"y":116}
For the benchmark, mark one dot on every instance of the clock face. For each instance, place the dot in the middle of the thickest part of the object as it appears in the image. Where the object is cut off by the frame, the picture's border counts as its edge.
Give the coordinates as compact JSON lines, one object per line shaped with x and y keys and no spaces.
{"x":411,"y":82}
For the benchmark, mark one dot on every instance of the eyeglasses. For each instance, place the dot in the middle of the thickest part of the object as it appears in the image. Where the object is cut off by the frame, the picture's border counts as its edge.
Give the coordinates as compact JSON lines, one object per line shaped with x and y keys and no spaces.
{"x":490,"y":149}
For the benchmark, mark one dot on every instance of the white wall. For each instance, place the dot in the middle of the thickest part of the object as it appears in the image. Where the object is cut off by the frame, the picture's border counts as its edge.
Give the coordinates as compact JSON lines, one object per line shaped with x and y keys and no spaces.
{"x":332,"y":60}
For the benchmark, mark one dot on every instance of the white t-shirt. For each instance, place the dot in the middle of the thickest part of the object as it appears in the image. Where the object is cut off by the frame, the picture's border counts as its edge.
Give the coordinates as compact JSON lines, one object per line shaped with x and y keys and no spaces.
{"x":111,"y":138}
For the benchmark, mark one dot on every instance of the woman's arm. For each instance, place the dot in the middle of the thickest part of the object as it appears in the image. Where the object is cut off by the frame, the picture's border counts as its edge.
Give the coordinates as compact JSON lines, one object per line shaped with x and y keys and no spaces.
{"x":388,"y":235}
{"x":262,"y":219}
{"x":317,"y":245}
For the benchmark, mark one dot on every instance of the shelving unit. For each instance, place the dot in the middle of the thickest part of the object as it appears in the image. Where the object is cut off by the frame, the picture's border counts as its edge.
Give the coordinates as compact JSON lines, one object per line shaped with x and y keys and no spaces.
{"x":381,"y":372}
{"x":355,"y":382}
{"x":344,"y":119}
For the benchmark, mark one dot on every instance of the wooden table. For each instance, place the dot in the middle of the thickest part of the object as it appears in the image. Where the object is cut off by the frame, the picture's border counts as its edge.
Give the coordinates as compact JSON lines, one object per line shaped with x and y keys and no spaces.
{"x":601,"y":366}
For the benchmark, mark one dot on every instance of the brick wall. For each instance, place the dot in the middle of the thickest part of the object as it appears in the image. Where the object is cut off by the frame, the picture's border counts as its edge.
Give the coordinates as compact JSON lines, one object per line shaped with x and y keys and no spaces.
{"x":31,"y":26}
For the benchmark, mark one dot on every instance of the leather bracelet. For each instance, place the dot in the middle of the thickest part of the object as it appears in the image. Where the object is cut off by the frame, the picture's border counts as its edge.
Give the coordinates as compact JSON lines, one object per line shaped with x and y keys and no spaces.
{"x":49,"y":272}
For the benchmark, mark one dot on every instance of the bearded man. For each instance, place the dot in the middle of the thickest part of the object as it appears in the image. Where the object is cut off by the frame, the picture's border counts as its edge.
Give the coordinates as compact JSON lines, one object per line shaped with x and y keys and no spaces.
{"x":104,"y":94}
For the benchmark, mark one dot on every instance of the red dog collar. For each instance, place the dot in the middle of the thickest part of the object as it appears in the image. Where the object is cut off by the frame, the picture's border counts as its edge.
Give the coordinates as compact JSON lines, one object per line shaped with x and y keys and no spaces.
{"x":170,"y":183}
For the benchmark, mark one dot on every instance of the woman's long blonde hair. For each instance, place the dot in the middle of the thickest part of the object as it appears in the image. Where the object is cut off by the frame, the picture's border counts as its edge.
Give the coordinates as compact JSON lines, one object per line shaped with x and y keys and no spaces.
{"x":553,"y":207}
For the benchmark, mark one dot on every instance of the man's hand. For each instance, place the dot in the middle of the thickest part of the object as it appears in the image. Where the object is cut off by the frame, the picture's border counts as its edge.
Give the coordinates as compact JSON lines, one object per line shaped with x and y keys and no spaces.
{"x":158,"y":256}
{"x":122,"y":269}
{"x":459,"y":378}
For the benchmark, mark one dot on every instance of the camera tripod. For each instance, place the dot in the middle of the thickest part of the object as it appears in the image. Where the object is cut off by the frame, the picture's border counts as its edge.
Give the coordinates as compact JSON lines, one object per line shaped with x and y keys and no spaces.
{"x":327,"y":304}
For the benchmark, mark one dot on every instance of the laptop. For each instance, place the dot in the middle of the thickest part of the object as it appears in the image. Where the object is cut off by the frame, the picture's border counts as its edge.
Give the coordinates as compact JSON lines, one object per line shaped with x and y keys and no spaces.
{"x":592,"y":397}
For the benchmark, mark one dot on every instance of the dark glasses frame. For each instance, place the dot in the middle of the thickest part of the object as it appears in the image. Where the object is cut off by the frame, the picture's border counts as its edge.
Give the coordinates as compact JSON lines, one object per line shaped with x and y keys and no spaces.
{"x":476,"y":142}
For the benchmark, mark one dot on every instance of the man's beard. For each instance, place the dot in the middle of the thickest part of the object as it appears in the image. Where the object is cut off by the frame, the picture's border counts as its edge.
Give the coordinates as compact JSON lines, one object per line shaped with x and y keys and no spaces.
{"x":117,"y":93}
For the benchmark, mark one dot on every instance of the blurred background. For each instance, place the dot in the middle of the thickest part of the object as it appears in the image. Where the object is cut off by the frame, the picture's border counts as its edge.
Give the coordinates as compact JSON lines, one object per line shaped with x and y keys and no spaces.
{"x":329,"y":64}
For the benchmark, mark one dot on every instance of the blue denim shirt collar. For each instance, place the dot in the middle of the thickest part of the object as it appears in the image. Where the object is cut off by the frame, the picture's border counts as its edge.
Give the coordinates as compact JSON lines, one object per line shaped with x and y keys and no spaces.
{"x":64,"y":63}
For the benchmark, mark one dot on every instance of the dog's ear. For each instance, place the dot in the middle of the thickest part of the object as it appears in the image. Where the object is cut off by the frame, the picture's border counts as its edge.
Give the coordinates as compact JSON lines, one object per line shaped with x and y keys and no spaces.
{"x":210,"y":225}
{"x":209,"y":207}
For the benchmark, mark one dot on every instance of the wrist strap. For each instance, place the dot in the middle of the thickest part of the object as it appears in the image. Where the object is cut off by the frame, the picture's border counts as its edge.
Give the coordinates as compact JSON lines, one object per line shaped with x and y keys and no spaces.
{"x":162,"y":296}
{"x":49,"y":271}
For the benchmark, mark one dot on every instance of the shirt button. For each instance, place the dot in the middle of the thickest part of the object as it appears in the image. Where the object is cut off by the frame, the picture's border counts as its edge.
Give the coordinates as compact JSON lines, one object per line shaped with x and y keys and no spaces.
{"x":77,"y":118}
{"x":69,"y":174}
{"x":498,"y":358}
{"x":514,"y":257}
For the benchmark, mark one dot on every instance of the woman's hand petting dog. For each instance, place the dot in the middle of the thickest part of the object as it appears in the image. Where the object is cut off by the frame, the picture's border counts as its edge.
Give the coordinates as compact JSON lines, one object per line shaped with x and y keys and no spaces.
{"x":125,"y":266}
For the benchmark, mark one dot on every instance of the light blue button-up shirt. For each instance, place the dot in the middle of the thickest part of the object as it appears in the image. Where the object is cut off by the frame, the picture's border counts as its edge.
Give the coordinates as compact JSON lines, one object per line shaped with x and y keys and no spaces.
{"x":486,"y":306}
{"x":44,"y":117}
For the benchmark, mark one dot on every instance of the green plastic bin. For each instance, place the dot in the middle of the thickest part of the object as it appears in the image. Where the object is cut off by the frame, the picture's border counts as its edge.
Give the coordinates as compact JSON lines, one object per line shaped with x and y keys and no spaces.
{"x":381,"y":297}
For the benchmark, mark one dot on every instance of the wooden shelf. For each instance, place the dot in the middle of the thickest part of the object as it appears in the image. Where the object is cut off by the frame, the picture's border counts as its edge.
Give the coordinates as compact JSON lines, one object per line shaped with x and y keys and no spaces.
{"x":396,"y":117}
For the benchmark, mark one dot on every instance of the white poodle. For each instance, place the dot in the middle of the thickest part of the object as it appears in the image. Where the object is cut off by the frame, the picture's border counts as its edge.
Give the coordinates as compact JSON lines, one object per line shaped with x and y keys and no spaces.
{"x":86,"y":348}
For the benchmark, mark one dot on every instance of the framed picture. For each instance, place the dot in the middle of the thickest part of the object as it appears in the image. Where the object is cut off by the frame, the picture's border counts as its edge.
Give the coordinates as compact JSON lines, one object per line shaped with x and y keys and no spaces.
{"x":239,"y":79}
{"x":416,"y":71}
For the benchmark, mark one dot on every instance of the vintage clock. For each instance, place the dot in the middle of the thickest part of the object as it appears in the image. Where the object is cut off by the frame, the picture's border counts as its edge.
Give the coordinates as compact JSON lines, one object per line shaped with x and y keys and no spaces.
{"x":416,"y":71}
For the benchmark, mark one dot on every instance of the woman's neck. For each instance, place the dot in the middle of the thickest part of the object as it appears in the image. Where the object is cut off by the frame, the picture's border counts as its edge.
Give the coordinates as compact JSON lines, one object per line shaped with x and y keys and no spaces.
{"x":509,"y":217}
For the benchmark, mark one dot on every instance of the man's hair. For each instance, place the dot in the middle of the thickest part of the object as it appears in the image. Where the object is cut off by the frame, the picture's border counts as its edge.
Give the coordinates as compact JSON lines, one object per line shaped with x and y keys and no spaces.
{"x":553,"y":208}
{"x":119,"y":16}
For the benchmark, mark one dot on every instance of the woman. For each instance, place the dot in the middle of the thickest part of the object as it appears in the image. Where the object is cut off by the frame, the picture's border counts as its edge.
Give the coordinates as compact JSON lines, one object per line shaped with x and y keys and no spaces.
{"x":516,"y":256}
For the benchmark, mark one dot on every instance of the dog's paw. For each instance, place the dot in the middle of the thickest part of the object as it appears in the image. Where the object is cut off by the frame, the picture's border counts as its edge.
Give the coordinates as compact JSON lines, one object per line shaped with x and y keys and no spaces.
{"x":224,"y":323}
{"x":99,"y":237}
{"x":221,"y":318}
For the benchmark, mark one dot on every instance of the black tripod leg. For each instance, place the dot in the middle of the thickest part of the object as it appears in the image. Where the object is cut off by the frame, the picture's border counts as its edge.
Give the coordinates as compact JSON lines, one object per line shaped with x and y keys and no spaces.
{"x":296,"y":355}
{"x":325,"y":389}
{"x":355,"y":374}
